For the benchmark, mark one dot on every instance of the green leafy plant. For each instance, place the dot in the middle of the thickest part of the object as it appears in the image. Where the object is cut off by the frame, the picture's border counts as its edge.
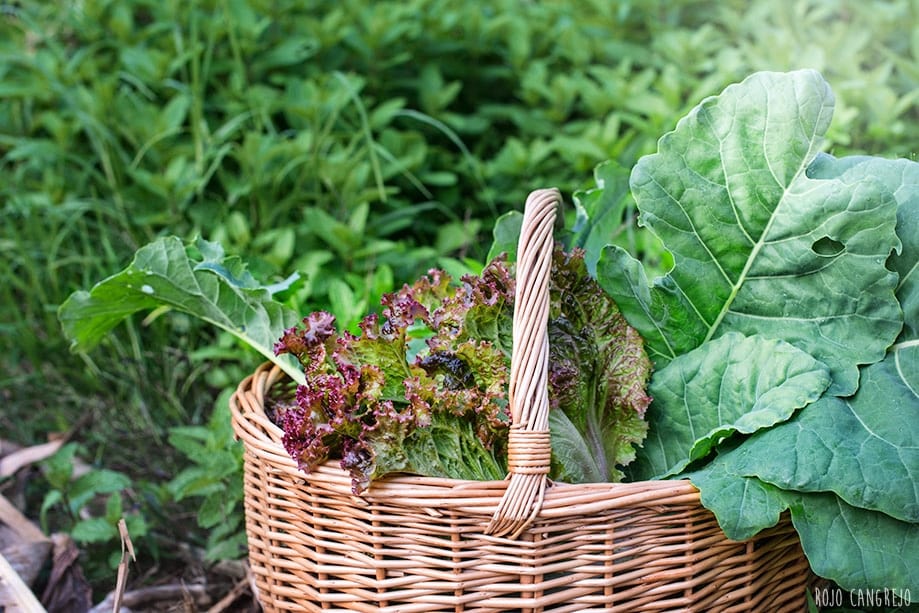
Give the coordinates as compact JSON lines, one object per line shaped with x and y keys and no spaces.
{"x":215,"y":478}
{"x":784,"y":338}
{"x":424,"y":389}
{"x":88,"y":504}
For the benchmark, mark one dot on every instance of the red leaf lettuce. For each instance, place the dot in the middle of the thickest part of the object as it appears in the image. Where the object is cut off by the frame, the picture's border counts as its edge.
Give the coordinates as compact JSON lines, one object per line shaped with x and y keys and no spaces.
{"x":423,"y":389}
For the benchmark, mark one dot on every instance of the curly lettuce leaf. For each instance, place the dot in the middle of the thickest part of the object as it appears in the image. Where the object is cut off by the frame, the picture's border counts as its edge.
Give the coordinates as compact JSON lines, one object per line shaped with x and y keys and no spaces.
{"x":761,"y":245}
{"x":464,"y":437}
{"x":197,"y":279}
{"x":384,"y":405}
{"x":598,"y":372}
{"x":441,"y":410}
{"x":481,"y":308}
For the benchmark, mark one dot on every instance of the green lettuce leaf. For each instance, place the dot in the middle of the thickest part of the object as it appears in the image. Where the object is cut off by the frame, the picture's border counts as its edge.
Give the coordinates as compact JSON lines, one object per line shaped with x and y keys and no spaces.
{"x":197,"y":279}
{"x":598,"y":372}
{"x":450,"y":447}
{"x":760,"y":246}
{"x":732,"y":384}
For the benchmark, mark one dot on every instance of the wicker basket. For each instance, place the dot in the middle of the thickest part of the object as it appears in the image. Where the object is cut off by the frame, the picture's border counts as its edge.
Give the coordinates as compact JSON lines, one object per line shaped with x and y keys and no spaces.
{"x":413,"y":544}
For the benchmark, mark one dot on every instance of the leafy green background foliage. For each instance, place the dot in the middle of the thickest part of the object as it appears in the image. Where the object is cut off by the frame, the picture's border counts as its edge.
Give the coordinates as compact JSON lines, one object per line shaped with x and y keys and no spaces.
{"x":348,"y":142}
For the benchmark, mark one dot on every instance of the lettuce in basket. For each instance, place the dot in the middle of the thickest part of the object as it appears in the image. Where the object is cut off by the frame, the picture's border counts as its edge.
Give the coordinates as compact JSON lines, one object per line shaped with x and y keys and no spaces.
{"x":423,"y":390}
{"x":598,"y":372}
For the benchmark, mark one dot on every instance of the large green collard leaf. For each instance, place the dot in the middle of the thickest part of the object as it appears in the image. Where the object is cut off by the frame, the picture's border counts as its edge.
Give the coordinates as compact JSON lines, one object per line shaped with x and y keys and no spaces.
{"x":865,"y":447}
{"x":902,"y":178}
{"x":854,"y":460}
{"x":732,"y":384}
{"x":197,"y":280}
{"x":759,"y":246}
{"x":856,"y":548}
{"x":743,"y":506}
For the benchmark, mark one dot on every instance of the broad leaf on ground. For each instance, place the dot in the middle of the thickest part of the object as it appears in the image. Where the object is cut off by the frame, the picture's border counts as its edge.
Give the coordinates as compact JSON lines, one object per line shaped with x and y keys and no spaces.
{"x":196,"y":279}
{"x":759,"y":246}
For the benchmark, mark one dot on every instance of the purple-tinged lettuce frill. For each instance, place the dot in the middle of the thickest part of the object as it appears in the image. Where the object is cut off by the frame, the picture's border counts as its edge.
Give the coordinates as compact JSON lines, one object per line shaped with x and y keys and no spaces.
{"x":423,"y":389}
{"x":598,"y":372}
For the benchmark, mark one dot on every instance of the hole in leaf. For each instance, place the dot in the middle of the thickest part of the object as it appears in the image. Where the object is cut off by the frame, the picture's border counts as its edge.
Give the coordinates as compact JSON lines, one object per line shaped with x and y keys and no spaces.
{"x":828,"y":246}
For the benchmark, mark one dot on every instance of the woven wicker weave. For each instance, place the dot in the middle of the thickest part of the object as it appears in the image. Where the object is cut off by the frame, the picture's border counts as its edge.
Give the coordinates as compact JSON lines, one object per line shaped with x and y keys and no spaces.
{"x":425,"y":544}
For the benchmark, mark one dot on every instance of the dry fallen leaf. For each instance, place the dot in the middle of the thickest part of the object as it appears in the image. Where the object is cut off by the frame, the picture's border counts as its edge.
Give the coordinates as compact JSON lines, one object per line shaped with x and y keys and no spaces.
{"x":127,"y":549}
{"x":24,"y":546}
{"x":12,"y":462}
{"x":67,"y":588}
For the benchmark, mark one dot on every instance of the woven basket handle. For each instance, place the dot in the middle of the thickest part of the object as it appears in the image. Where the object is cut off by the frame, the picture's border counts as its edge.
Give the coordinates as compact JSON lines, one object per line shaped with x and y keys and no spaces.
{"x":528,"y":445}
